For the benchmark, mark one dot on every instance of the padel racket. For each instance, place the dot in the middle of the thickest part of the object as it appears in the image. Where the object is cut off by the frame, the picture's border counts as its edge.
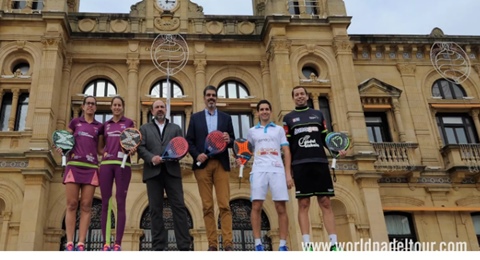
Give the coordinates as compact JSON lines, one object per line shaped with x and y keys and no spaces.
{"x":214,"y":144}
{"x":130,"y":138}
{"x":243,"y":150}
{"x":336,"y":142}
{"x":65,"y":141}
{"x":176,"y":149}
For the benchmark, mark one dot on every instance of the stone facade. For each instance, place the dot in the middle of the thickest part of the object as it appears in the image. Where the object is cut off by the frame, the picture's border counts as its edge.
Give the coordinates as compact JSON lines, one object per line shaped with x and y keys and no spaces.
{"x":268,"y":53}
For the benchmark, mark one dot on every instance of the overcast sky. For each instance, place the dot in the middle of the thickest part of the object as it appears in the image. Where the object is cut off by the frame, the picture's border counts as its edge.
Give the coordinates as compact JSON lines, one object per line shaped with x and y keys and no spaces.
{"x":454,"y":17}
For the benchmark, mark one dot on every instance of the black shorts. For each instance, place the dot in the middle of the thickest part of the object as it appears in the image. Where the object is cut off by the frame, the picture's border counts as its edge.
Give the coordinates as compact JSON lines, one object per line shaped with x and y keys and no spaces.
{"x":312,"y":179}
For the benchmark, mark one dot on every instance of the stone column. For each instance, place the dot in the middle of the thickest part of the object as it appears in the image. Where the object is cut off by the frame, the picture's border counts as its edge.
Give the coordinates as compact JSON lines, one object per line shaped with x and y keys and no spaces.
{"x":132,"y":99}
{"x":398,"y":119}
{"x":265,"y":78}
{"x":370,"y":192}
{"x":145,"y":110}
{"x":279,"y":56}
{"x":200,"y":83}
{"x":52,"y":237}
{"x":414,"y":97}
{"x":200,"y":240}
{"x":316,"y":103}
{"x":188,"y":115}
{"x":34,"y":208}
{"x":131,"y":239}
{"x":474,"y":114}
{"x":63,"y":117}
{"x":13,"y":111}
{"x":5,"y":226}
{"x":1,"y":96}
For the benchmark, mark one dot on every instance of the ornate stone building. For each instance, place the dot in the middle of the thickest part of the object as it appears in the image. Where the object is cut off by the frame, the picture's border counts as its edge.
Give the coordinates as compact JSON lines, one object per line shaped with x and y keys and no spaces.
{"x":412,"y":171}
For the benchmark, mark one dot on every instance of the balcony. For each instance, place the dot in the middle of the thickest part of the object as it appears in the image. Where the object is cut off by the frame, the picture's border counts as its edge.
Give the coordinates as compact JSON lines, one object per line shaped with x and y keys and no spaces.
{"x":395,"y":157}
{"x":462,"y":158}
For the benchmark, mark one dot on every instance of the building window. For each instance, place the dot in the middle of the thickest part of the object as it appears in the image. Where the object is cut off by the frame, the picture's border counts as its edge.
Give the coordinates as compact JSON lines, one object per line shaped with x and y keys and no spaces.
{"x":94,"y":239}
{"x":311,"y":7}
{"x":325,"y":109}
{"x":456,"y":129}
{"x":377,"y":127}
{"x":400,"y":230}
{"x":293,"y":7}
{"x":22,"y":68}
{"x":37,"y":4}
{"x":232,"y":89}
{"x":103,"y":116}
{"x":175,"y":117}
{"x":241,"y":123}
{"x":160,"y":89}
{"x":6,"y":110}
{"x":21,"y":112}
{"x":146,"y":225}
{"x":307,"y":72}
{"x":476,"y":225}
{"x":19,"y":4}
{"x":447,"y":90}
{"x":242,"y":227}
{"x":100,"y":88}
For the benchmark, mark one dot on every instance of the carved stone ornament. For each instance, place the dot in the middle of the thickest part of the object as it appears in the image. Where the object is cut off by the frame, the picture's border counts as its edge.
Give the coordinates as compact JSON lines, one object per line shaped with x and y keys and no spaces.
{"x":86,"y":25}
{"x":167,"y":23}
{"x":118,"y":25}
{"x":246,"y":27}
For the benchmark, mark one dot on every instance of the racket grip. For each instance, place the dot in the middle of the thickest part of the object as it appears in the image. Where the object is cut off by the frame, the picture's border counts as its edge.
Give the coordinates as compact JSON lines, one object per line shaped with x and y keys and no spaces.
{"x":240,"y":172}
{"x":334,"y":163}
{"x":125,"y":156}
{"x":199,"y":163}
{"x":64,"y":160}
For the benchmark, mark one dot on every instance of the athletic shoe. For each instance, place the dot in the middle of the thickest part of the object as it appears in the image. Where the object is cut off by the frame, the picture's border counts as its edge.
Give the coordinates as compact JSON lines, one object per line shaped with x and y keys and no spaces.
{"x":117,"y":247}
{"x":69,"y":247}
{"x":283,"y":248}
{"x":80,"y":247}
{"x":107,"y":248}
{"x":309,"y":247}
{"x":335,"y":248}
{"x":259,"y":248}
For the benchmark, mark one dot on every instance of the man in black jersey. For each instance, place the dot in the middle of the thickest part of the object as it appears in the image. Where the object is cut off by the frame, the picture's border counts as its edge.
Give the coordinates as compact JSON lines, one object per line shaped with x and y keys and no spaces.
{"x":306,"y":131}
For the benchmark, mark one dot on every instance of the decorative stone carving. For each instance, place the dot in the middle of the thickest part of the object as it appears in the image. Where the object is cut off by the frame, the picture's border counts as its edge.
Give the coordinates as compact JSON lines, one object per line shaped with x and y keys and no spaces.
{"x":246,"y":27}
{"x":86,"y":25}
{"x":342,"y":46}
{"x":167,"y":23}
{"x":214,"y":27}
{"x":406,"y":69}
{"x":118,"y":25}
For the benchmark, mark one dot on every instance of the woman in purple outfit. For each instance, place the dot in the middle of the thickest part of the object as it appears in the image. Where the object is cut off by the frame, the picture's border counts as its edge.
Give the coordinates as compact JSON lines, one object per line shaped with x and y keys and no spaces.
{"x":110,"y":170}
{"x":81,"y":172}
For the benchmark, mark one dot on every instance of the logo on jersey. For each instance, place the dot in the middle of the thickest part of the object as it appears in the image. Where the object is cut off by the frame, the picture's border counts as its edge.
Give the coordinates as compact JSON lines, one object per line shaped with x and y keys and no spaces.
{"x":308,"y":129}
{"x":296,"y":119}
{"x":306,"y":142}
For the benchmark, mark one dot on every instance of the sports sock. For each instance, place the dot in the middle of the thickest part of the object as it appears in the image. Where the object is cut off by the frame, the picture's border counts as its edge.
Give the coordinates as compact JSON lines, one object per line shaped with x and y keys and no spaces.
{"x":333,"y":239}
{"x":306,"y":238}
{"x":283,"y":242}
{"x":258,"y":241}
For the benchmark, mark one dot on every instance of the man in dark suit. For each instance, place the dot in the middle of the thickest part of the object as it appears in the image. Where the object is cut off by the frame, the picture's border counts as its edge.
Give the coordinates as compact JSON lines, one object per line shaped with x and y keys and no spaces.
{"x":161,"y":176}
{"x":214,"y":170}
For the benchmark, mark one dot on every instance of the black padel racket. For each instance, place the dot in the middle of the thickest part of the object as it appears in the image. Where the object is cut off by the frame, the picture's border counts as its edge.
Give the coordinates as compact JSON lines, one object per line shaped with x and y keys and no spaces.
{"x":336,"y":142}
{"x":243,"y":150}
{"x":65,"y":141}
{"x":214,"y":144}
{"x":176,"y":149}
{"x":130,"y":138}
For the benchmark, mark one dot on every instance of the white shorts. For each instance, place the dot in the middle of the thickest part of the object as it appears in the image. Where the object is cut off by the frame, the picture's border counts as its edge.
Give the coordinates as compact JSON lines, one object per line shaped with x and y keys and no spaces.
{"x":261,"y":181}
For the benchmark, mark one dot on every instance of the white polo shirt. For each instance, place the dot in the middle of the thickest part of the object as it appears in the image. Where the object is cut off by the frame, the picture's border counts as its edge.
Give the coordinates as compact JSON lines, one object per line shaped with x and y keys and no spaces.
{"x":267,"y":141}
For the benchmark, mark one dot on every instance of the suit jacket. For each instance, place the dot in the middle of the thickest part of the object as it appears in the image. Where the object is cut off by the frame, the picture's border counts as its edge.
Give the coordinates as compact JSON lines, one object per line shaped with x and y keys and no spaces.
{"x":153,"y":143}
{"x":198,"y":131}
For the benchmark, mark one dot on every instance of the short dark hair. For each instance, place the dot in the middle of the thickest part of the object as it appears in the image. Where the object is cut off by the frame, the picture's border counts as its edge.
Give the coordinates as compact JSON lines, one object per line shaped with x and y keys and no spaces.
{"x":209,"y":87}
{"x":297,"y":87}
{"x":89,"y":96}
{"x":264,"y":101}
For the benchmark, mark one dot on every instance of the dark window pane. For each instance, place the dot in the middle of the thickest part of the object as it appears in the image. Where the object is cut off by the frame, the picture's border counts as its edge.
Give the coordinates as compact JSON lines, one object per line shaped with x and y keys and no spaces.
{"x":21,"y":112}
{"x":5,"y":113}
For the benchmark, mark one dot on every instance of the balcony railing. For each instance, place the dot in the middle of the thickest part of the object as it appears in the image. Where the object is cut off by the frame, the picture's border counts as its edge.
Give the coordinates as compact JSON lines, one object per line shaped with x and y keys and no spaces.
{"x":397,"y":157}
{"x":458,"y":156}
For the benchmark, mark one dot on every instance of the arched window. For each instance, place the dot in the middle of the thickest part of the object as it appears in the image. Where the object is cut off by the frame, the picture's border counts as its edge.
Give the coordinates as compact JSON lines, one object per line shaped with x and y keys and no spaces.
{"x":146,"y":225}
{"x":94,"y":240}
{"x":160,"y":89}
{"x":232,"y":89}
{"x":476,"y":224}
{"x":100,"y":88}
{"x":447,"y":90}
{"x":242,"y":228}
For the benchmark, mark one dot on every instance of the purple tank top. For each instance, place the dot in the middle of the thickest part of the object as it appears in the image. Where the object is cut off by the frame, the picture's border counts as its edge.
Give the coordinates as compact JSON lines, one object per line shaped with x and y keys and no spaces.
{"x":86,"y":140}
{"x":112,"y":131}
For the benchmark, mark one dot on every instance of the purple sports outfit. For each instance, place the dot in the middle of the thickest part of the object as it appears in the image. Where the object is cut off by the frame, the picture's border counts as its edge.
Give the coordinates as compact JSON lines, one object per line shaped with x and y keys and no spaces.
{"x":110,"y":169}
{"x":82,"y":165}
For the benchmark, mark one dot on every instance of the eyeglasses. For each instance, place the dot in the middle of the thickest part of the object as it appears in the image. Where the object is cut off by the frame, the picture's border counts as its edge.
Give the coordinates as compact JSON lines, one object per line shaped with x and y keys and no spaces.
{"x":90,"y":103}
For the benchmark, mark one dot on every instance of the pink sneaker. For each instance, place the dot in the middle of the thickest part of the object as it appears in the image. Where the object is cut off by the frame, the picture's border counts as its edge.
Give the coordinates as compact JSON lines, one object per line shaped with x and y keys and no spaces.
{"x":117,"y":247}
{"x":106,"y":248}
{"x":80,"y":247}
{"x":69,"y":247}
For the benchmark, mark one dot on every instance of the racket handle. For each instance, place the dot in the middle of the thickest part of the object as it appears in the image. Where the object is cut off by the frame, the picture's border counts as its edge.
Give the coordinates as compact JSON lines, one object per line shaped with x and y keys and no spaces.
{"x":199,"y":163}
{"x":125,"y":156}
{"x":240,"y":172}
{"x":334,"y":163}
{"x":64,"y":160}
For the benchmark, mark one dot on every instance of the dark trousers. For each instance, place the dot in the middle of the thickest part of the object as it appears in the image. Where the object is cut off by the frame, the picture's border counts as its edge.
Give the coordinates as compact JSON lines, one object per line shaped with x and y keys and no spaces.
{"x":174,"y":189}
